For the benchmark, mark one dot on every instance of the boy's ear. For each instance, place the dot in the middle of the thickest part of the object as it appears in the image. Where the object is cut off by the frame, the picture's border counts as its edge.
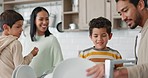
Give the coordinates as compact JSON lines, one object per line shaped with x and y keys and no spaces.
{"x":110,"y":36}
{"x":5,"y":27}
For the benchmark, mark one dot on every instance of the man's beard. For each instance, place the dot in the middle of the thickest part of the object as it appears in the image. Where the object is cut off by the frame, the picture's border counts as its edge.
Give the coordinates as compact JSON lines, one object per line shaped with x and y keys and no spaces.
{"x":134,"y":26}
{"x":136,"y":22}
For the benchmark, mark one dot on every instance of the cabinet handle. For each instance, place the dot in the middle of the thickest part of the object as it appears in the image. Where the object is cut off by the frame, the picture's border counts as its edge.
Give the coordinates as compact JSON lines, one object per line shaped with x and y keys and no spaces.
{"x":108,"y":0}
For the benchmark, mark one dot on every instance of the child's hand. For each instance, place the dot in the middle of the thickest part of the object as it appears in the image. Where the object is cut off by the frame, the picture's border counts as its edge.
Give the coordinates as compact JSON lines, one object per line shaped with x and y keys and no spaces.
{"x":35,"y":51}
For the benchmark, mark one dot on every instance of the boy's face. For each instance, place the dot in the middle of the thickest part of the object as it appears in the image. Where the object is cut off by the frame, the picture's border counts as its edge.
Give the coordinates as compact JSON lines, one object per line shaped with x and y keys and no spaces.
{"x":100,"y":38}
{"x":16,"y":29}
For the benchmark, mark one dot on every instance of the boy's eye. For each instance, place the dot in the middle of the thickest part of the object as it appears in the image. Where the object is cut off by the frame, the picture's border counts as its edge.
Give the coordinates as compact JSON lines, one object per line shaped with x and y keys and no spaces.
{"x":104,"y":35}
{"x":95,"y":36}
{"x":18,"y":27}
{"x":41,"y":19}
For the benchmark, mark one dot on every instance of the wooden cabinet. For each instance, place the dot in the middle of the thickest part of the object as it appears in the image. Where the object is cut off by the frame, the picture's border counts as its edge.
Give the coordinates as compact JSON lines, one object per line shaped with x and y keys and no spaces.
{"x":87,"y":10}
{"x":9,"y":4}
{"x":90,"y":9}
{"x":114,"y":11}
{"x":116,"y":18}
{"x":70,"y":14}
{"x":1,"y":6}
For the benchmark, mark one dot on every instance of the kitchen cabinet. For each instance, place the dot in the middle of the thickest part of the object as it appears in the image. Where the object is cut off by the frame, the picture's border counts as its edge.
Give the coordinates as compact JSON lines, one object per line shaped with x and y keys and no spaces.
{"x":1,"y":6}
{"x":90,"y":9}
{"x":1,"y":9}
{"x":70,"y":14}
{"x":86,"y":10}
{"x":116,"y":18}
{"x":9,"y":4}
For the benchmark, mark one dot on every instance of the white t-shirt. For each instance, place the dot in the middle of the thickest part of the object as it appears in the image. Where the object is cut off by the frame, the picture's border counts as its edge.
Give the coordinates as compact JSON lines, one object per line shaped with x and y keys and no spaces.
{"x":137,"y":42}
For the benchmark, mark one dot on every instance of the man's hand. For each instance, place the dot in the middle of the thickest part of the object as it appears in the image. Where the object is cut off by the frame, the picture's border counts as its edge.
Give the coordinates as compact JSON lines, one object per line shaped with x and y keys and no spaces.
{"x":98,"y":71}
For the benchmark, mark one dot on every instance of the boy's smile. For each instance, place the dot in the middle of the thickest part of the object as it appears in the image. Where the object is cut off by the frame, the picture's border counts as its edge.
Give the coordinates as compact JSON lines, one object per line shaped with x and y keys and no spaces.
{"x":100,"y":38}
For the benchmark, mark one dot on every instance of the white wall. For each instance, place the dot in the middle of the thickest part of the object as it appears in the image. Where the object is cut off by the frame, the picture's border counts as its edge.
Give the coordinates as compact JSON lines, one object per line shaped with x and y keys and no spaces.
{"x":72,"y":42}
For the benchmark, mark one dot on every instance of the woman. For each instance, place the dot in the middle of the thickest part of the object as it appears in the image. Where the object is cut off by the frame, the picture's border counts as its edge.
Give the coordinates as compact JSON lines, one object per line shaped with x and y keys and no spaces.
{"x":49,"y":54}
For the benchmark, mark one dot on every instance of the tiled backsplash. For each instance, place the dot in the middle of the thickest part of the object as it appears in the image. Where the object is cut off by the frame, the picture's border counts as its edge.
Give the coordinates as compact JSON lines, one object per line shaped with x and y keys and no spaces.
{"x":71,"y":42}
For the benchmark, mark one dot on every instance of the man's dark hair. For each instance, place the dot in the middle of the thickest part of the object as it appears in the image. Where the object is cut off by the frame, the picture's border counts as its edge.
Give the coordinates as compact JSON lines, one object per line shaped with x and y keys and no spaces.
{"x":135,"y":2}
{"x":9,"y":17}
{"x":100,"y":22}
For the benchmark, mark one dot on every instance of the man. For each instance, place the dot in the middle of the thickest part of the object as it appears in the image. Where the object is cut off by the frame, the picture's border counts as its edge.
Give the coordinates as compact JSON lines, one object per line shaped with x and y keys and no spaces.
{"x":134,"y":13}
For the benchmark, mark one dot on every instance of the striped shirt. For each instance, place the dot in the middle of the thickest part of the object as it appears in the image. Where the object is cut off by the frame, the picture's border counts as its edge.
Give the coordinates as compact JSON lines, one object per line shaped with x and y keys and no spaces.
{"x":99,"y":56}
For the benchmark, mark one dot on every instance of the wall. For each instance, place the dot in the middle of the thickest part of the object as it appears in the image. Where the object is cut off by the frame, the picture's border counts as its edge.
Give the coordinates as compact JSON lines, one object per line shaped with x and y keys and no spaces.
{"x":71,"y":42}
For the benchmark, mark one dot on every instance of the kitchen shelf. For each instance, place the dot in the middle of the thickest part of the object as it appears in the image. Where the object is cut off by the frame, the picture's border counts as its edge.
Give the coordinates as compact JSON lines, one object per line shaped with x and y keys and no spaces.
{"x":70,"y":18}
{"x":1,"y":8}
{"x":71,"y":12}
{"x":9,"y":4}
{"x":117,"y":17}
{"x":24,"y":1}
{"x":72,"y":30}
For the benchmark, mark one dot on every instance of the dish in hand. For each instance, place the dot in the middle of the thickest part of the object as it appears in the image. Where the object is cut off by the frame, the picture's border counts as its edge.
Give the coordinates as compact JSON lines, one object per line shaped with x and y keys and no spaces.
{"x":73,"y":68}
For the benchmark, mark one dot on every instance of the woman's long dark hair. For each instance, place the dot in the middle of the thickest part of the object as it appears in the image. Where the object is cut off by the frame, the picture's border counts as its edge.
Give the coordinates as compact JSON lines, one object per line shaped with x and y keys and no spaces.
{"x":33,"y":25}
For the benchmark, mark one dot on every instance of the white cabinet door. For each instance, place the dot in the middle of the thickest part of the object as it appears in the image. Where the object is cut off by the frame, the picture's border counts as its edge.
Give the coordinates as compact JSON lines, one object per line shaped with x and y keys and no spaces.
{"x":89,"y":9}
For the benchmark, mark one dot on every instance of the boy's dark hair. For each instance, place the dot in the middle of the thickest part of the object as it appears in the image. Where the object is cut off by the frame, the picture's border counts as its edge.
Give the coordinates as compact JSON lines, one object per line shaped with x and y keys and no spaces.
{"x":135,"y":2}
{"x":33,"y":25}
{"x":100,"y":22}
{"x":9,"y":17}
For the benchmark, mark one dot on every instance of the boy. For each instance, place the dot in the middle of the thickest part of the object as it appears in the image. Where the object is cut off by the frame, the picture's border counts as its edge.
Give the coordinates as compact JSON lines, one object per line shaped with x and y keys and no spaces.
{"x":100,"y":33}
{"x":11,"y":23}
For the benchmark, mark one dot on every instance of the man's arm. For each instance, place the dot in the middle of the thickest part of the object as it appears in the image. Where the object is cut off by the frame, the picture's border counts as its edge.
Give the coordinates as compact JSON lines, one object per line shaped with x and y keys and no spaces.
{"x":98,"y":71}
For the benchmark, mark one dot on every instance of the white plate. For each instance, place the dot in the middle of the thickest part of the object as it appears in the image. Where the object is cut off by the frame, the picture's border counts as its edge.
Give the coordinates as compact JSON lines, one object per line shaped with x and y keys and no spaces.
{"x":50,"y":75}
{"x":73,"y":68}
{"x":25,"y":71}
{"x":14,"y":71}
